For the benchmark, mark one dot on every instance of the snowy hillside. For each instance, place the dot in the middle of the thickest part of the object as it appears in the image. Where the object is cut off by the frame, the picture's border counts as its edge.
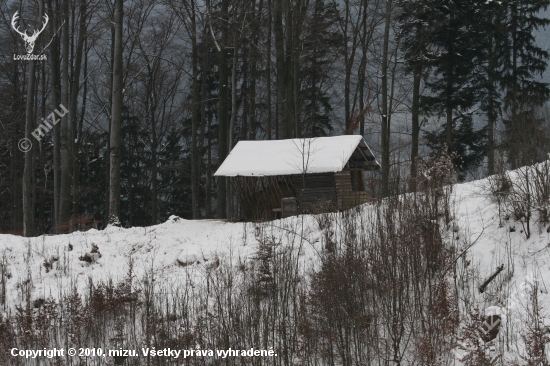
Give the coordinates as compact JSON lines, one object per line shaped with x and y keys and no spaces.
{"x":168,"y":250}
{"x":179,"y":252}
{"x":170,"y":247}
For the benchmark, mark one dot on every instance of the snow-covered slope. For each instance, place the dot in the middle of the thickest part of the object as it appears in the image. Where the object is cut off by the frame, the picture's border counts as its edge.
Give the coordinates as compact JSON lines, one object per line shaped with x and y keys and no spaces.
{"x":166,"y":248}
{"x":495,"y":237}
{"x":55,"y":264}
{"x":169,"y":247}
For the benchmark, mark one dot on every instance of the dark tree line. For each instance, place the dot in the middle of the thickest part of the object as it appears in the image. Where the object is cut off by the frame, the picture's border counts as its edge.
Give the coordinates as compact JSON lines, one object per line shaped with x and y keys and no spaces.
{"x":157,"y":92}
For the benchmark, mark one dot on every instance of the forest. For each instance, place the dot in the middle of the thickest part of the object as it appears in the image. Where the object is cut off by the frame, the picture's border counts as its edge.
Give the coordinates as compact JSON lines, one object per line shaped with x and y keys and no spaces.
{"x":119,"y":112}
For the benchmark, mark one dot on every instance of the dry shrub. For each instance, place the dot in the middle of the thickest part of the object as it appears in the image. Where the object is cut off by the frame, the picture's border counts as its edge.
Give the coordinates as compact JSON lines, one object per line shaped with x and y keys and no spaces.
{"x":5,"y":275}
{"x":523,"y":196}
{"x":7,"y":333}
{"x":383,"y":274}
{"x":535,"y":336}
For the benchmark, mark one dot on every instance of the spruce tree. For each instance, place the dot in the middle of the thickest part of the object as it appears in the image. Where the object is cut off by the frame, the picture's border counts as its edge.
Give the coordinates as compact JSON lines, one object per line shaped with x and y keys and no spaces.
{"x":414,"y":35}
{"x":321,"y":43}
{"x":524,"y":64}
{"x":453,"y":58}
{"x":490,"y":77}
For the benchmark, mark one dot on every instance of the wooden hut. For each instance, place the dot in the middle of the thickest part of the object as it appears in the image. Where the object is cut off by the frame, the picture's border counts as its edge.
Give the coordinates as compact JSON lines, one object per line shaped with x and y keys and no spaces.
{"x":281,"y":178}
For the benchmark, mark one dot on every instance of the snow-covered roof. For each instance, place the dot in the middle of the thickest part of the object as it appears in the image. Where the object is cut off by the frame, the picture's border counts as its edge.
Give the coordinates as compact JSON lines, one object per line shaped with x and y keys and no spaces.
{"x":296,"y":156}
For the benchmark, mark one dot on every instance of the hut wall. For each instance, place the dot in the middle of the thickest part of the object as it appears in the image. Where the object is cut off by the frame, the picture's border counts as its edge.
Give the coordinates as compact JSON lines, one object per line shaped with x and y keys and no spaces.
{"x":288,"y":207}
{"x":263,"y":198}
{"x":315,"y":193}
{"x":346,"y":196}
{"x":259,"y":196}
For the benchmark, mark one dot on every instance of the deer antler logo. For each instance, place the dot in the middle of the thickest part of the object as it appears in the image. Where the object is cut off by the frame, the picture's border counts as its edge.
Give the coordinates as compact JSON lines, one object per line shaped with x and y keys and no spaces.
{"x":29,"y":40}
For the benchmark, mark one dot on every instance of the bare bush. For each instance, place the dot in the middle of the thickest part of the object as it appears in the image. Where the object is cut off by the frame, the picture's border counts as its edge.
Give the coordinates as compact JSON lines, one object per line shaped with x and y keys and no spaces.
{"x":523,"y":196}
{"x":535,"y":336}
{"x":383,"y":290}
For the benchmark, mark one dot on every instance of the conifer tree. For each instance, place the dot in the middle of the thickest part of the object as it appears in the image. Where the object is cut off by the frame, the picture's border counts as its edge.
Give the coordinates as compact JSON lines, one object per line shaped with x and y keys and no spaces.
{"x":321,"y":42}
{"x":412,"y":19}
{"x":490,"y":77}
{"x":453,"y":58}
{"x":524,"y":64}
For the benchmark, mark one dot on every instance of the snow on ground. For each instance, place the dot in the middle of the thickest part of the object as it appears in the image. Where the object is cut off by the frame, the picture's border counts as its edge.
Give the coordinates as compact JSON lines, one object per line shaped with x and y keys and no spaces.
{"x":478,"y":213}
{"x":169,"y":249}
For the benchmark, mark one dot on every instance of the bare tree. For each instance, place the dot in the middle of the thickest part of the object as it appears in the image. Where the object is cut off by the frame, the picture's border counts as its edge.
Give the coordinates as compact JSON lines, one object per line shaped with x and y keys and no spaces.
{"x":73,"y":112}
{"x":116,"y":117}
{"x":28,"y":207}
{"x":385,"y":108}
{"x":67,"y":140}
{"x":223,"y":108}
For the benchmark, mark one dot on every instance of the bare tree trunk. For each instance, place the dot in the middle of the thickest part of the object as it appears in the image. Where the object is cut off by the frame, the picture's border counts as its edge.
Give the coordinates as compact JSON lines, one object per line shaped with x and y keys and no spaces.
{"x":41,"y":162}
{"x":514,"y":158}
{"x":65,"y":188}
{"x":55,"y":87}
{"x":280,"y":66}
{"x":232,"y":121}
{"x":296,"y":30}
{"x":75,"y":89}
{"x":116,"y":118}
{"x":449,"y":113}
{"x":203,"y":122}
{"x":252,"y":96}
{"x":15,"y":191}
{"x":348,"y":62}
{"x":28,"y":213}
{"x":385,"y":110}
{"x":362,"y":70}
{"x":29,"y":228}
{"x":491,"y":120}
{"x":417,"y":74}
{"x":106,"y":218}
{"x":288,"y":104}
{"x":254,"y":71}
{"x":66,"y":143}
{"x":223,"y":113}
{"x":154,"y":170}
{"x":209,"y":173}
{"x":194,"y":157}
{"x":449,"y":93}
{"x":268,"y":71}
{"x":194,"y":112}
{"x":15,"y":166}
{"x":491,"y":142}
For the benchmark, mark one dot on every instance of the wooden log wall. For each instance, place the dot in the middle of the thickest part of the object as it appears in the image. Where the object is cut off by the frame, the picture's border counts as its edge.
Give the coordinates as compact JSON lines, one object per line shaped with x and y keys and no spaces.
{"x":347,"y":197}
{"x":258,"y":196}
{"x":315,"y":193}
{"x":289,"y":207}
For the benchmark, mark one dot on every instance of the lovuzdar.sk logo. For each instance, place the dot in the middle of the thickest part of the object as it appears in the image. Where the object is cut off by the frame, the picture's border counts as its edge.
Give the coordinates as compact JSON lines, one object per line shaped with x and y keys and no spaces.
{"x":29,"y":40}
